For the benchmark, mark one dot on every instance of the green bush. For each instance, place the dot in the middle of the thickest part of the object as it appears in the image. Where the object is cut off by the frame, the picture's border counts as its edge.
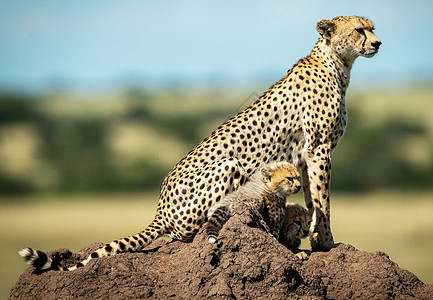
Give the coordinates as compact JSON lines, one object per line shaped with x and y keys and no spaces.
{"x":372,"y":157}
{"x":78,"y":152}
{"x":17,"y":108}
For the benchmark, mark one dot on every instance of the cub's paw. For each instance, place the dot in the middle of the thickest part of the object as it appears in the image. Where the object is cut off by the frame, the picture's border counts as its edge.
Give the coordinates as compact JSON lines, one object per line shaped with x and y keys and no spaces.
{"x":211,"y":239}
{"x":302,"y":255}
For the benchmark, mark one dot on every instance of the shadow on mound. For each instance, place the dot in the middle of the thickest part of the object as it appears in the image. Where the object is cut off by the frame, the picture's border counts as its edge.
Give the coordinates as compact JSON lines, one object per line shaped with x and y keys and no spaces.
{"x":244,"y":263}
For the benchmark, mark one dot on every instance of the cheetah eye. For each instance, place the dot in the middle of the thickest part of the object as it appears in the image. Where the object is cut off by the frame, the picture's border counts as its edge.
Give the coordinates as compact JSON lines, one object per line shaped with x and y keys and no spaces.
{"x":360,"y":31}
{"x":299,"y":223}
{"x":290,"y":179}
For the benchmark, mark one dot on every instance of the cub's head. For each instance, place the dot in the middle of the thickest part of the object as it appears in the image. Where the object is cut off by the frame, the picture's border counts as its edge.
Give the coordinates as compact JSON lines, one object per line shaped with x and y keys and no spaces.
{"x":281,"y":178}
{"x":350,"y":37}
{"x":297,"y":221}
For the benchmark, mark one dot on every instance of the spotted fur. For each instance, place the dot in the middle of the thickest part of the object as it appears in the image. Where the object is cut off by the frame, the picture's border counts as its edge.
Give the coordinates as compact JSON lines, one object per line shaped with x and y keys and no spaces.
{"x":300,"y":119}
{"x":295,"y":226}
{"x":265,"y":193}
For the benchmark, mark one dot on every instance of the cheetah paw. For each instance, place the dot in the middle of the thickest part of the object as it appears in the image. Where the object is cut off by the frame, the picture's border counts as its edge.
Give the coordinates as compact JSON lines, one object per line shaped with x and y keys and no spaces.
{"x":302,"y":255}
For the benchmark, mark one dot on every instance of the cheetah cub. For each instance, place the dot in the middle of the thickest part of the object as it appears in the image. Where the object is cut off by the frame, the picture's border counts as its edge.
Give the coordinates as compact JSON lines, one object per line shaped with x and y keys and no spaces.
{"x":265,"y":193}
{"x":296,"y":226}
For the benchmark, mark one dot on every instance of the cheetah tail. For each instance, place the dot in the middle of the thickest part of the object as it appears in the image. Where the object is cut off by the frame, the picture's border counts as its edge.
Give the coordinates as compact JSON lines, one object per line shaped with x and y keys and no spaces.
{"x":216,"y":222}
{"x":133,"y":243}
{"x":38,"y":259}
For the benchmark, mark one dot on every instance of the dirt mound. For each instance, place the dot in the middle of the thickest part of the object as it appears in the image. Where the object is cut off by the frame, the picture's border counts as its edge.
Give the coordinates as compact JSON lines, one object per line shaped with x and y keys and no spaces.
{"x":245,"y":263}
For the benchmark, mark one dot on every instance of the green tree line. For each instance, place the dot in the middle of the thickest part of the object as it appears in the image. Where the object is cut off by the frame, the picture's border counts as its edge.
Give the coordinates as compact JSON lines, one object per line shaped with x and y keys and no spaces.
{"x":77,"y":147}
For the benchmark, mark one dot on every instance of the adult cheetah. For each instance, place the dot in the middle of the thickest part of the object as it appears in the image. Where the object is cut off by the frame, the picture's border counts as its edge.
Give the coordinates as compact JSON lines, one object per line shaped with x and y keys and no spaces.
{"x":299,"y":119}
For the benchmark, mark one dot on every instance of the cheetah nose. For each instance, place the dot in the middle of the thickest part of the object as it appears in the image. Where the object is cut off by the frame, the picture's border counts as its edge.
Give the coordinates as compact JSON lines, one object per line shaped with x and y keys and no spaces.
{"x":376,"y":44}
{"x":306,"y":232}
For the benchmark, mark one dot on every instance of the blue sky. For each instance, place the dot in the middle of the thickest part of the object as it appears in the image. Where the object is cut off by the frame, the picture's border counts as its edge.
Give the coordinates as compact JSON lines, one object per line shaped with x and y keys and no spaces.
{"x":101,"y":44}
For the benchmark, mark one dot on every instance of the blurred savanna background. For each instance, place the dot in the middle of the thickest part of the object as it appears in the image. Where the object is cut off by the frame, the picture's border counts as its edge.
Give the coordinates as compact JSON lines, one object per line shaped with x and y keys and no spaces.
{"x":98,"y":101}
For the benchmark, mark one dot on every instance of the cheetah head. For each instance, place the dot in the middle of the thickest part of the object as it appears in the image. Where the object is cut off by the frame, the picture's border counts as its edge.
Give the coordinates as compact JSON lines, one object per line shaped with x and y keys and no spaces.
{"x":281,"y":178}
{"x":349,"y":37}
{"x":297,"y":221}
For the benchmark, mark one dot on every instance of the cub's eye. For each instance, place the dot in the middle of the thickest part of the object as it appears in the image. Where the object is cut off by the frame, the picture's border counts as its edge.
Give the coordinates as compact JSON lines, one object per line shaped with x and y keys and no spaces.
{"x":290,"y":179}
{"x":360,"y":30}
{"x":299,"y":223}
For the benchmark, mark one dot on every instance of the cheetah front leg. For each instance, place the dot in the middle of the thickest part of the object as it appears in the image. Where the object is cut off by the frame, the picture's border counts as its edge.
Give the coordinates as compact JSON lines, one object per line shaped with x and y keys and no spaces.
{"x":316,"y":178}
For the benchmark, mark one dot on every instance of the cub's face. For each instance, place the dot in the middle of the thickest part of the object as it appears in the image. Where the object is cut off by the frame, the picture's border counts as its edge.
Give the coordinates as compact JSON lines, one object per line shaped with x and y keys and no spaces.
{"x":297,"y":221}
{"x":282,"y":179}
{"x":301,"y":226}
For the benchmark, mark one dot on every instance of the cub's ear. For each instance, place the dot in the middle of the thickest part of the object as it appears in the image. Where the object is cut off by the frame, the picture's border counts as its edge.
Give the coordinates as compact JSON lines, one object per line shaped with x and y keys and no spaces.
{"x":325,"y":28}
{"x":266,"y":174}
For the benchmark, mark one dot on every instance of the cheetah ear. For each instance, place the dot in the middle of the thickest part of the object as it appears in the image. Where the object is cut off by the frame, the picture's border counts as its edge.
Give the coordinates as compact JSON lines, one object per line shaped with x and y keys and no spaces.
{"x":325,"y":28}
{"x":266,"y":174}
